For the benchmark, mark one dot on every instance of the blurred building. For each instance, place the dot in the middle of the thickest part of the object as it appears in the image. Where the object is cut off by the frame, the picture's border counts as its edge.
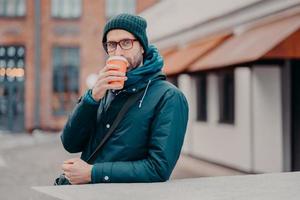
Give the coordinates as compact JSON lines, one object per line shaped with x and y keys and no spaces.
{"x":239,"y":65}
{"x":48,"y":51}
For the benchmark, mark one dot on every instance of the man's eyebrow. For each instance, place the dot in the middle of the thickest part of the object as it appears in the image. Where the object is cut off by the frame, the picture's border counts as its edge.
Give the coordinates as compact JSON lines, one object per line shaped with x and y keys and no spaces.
{"x":121,"y":39}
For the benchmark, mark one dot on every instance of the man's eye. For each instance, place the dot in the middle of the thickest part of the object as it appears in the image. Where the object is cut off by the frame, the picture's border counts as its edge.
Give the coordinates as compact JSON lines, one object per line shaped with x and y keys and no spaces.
{"x":110,"y":44}
{"x":126,"y":42}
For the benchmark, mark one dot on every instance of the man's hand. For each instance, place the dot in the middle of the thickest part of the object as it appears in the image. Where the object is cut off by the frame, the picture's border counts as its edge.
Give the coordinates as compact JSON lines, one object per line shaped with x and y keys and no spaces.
{"x":77,"y":171}
{"x":106,"y":75}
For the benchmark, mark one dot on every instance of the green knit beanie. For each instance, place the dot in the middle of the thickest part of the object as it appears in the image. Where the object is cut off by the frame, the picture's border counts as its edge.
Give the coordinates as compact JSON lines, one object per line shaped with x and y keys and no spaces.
{"x":131,"y":23}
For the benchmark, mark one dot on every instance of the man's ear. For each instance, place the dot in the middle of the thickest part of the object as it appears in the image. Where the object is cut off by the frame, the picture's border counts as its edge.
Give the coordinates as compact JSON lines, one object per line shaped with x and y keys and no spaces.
{"x":142,"y":49}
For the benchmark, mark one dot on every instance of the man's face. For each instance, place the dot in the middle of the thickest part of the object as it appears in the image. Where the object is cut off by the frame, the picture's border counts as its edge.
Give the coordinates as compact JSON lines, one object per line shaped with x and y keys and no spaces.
{"x":133,"y":55}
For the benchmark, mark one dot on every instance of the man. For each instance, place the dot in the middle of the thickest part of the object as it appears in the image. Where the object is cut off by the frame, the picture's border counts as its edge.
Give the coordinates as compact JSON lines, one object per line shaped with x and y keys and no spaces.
{"x":146,"y":144}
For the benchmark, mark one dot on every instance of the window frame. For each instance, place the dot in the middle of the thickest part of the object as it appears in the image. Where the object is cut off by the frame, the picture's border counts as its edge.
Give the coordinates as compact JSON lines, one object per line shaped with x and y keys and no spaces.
{"x":226,"y":90}
{"x":62,"y":94}
{"x":120,"y":8}
{"x":57,"y":15}
{"x":201,"y":81}
{"x":16,"y":15}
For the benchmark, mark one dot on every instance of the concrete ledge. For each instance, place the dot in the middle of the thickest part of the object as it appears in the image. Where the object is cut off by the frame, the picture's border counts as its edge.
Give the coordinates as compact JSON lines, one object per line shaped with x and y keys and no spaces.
{"x":277,"y":186}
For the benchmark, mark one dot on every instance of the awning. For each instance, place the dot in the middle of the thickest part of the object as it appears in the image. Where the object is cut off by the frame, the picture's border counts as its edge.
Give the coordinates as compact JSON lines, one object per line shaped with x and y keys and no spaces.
{"x":288,"y":49}
{"x":248,"y":46}
{"x":179,"y":60}
{"x":167,"y":52}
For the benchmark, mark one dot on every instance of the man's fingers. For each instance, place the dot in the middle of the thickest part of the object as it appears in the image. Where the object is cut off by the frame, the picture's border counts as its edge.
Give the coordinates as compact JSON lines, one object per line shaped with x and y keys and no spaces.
{"x":114,"y":73}
{"x":106,"y":74}
{"x":114,"y":78}
{"x":110,"y":67}
{"x":105,"y":78}
{"x":110,"y":79}
{"x":113,"y":86}
{"x":70,"y":161}
{"x":67,"y":175}
{"x":66,"y":167}
{"x":106,"y":84}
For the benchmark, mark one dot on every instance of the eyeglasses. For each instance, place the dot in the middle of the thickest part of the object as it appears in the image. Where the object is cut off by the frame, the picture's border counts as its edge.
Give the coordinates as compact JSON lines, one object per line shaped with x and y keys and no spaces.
{"x":125,"y":44}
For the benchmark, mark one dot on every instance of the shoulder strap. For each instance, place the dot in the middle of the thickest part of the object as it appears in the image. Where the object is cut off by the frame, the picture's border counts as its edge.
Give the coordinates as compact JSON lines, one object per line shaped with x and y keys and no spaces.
{"x":130,"y":101}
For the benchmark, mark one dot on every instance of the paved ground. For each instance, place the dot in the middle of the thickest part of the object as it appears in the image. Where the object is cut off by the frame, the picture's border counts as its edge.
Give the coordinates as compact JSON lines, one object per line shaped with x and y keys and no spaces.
{"x":30,"y":160}
{"x":34,"y":160}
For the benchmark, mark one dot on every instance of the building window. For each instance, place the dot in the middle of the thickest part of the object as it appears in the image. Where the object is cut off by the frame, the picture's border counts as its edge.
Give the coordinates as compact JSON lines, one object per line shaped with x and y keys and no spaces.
{"x":12,"y":74}
{"x":201,"y":85}
{"x":226,"y":96}
{"x":65,"y":79}
{"x":66,"y":9}
{"x":12,"y":61}
{"x":173,"y":80}
{"x":115,"y":7}
{"x":12,"y":8}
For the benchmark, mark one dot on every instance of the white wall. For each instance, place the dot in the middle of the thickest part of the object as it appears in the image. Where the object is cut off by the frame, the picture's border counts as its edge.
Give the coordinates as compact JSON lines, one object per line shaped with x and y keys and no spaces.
{"x":195,"y":19}
{"x":185,"y":85}
{"x":254,"y":142}
{"x":226,"y":144}
{"x":179,"y":15}
{"x":267,"y":119}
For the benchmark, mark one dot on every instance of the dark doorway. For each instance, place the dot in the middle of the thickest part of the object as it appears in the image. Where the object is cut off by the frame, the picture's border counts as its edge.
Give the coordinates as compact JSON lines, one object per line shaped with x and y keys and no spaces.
{"x":295,"y":115}
{"x":12,"y":76}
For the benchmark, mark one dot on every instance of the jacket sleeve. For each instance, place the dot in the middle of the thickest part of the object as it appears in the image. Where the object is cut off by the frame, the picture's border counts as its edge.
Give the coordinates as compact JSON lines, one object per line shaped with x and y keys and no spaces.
{"x":80,"y":124}
{"x":167,"y":136}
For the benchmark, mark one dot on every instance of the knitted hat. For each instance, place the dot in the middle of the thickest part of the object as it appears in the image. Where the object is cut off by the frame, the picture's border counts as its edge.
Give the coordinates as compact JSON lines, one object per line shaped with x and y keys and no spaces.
{"x":131,"y":23}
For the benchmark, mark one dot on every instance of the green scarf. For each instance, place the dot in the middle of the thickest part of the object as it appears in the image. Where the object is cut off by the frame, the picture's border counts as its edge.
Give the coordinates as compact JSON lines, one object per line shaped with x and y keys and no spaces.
{"x":153,"y":64}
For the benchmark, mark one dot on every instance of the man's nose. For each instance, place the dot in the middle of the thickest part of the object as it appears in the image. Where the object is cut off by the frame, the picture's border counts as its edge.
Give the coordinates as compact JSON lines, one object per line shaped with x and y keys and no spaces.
{"x":118,"y":51}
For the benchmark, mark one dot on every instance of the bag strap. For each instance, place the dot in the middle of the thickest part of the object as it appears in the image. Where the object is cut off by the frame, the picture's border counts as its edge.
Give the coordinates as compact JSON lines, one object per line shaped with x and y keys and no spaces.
{"x":130,"y":101}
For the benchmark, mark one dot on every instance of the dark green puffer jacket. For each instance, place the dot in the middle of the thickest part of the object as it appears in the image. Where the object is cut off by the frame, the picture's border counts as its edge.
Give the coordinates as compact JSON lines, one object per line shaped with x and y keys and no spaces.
{"x":147,"y":142}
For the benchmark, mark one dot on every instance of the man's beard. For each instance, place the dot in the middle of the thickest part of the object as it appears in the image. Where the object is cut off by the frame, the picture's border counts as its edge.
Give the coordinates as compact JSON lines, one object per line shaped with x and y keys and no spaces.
{"x":138,"y":61}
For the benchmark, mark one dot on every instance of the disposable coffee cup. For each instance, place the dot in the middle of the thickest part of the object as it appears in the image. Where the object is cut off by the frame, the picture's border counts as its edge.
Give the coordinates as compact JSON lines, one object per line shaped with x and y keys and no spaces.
{"x":122,"y":63}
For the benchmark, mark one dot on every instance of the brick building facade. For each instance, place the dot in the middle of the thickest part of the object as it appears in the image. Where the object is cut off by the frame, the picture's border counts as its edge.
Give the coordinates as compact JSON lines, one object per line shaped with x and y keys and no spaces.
{"x":48,"y":49}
